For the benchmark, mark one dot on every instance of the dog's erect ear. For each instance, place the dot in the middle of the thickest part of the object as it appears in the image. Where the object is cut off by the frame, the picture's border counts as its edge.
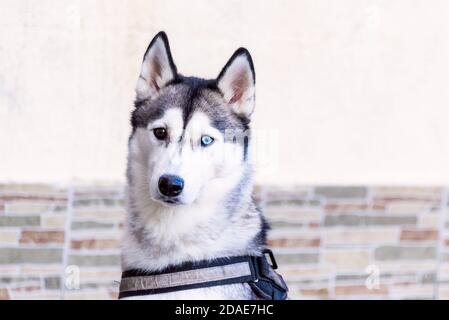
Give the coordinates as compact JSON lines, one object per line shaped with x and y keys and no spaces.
{"x":237,"y":82}
{"x":157,"y":68}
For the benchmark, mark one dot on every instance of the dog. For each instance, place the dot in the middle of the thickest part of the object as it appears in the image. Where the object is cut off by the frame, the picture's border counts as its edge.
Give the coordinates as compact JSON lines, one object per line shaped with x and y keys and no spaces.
{"x":189,"y":172}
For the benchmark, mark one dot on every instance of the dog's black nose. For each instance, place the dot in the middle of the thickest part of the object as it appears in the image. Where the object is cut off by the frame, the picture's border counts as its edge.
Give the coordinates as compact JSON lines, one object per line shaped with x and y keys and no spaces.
{"x":170,"y":185}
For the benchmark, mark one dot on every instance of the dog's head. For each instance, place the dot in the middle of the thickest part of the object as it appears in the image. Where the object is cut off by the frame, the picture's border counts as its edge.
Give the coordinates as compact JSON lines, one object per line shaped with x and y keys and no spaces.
{"x":190,"y":135}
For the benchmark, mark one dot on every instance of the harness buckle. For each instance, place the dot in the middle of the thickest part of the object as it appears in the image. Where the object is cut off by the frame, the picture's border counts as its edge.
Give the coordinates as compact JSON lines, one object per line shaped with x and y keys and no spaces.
{"x":274,"y":264}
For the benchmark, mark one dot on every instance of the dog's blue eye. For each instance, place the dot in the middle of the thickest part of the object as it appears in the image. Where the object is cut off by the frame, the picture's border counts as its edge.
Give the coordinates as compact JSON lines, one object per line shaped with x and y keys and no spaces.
{"x":206,"y":140}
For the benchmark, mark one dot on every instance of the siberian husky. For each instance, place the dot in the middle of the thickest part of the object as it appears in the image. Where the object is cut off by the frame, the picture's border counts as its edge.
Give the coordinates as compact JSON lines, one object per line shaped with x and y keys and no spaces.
{"x":189,"y":173}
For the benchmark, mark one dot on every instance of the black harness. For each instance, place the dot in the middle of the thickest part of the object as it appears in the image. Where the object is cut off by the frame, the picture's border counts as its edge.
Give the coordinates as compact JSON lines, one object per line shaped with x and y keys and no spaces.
{"x":266,"y":283}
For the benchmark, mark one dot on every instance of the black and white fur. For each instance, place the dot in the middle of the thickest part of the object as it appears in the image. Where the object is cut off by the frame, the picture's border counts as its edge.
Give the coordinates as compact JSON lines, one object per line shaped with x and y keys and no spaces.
{"x":215,"y":215}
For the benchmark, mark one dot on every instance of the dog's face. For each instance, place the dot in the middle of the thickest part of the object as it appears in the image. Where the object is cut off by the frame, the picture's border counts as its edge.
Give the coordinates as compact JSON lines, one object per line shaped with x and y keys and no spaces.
{"x":190,"y":135}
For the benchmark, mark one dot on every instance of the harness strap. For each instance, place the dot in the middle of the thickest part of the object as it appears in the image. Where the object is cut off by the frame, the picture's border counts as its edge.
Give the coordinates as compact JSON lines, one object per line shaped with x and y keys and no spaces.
{"x":255,"y":270}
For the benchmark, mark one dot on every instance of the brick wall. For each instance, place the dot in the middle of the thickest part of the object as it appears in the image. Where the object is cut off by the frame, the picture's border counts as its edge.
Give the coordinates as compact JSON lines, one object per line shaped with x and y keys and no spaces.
{"x":330,"y":242}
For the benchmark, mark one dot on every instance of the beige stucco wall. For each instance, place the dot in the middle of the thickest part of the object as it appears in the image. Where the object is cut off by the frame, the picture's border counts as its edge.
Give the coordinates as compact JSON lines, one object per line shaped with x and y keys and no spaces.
{"x":355,"y":91}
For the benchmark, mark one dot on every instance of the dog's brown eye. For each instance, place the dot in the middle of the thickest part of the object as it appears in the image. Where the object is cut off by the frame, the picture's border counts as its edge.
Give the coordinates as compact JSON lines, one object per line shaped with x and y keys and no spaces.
{"x":160,"y":133}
